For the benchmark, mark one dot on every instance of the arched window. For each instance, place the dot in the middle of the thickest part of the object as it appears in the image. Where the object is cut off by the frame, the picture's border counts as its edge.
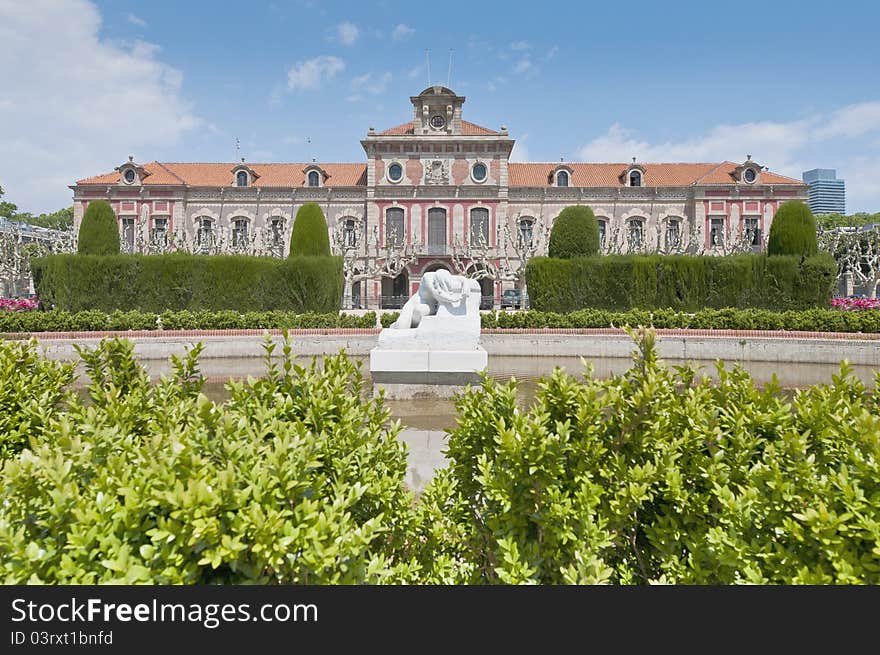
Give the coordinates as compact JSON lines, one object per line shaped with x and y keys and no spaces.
{"x":314,"y":178}
{"x":205,"y":234}
{"x":480,"y":227}
{"x":239,"y":233}
{"x":436,"y":231}
{"x":562,"y":178}
{"x":349,"y":233}
{"x":636,"y":234}
{"x":635,"y":178}
{"x":241,"y":178}
{"x":395,"y":229}
{"x":526,"y":231}
{"x":673,"y":234}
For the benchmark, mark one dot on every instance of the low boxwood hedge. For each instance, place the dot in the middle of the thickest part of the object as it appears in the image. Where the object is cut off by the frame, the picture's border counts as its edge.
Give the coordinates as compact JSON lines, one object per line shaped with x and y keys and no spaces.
{"x":94,"y":320}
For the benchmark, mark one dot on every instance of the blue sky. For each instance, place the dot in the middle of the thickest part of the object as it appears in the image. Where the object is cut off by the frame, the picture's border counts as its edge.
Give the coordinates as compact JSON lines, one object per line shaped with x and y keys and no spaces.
{"x":791,"y":84}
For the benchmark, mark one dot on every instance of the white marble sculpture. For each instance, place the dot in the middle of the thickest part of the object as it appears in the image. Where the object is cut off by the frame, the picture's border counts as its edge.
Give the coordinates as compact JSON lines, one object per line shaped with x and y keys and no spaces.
{"x":437,"y":332}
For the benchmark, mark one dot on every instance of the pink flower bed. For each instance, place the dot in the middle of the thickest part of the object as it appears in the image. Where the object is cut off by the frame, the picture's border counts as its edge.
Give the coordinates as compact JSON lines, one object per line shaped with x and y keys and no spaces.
{"x":855,"y":304}
{"x":18,"y":304}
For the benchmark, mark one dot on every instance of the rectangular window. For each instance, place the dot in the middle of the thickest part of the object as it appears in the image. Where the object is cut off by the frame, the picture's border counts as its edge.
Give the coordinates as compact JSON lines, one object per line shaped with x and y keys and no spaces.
{"x":480,"y":227}
{"x":159,"y":237}
{"x":636,"y":235}
{"x":205,"y":235}
{"x":673,"y":235}
{"x":753,"y":232}
{"x":240,"y":233}
{"x":128,"y":235}
{"x":395,"y":230}
{"x":436,"y":231}
{"x":716,"y":232}
{"x":275,"y":228}
{"x":601,"y":234}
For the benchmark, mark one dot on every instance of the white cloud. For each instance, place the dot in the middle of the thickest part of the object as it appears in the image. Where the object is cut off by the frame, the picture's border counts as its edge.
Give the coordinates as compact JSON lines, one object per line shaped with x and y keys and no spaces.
{"x":370,"y":84}
{"x":415,"y":71}
{"x":402,"y":32}
{"x":834,"y":140}
{"x":347,"y":33}
{"x":853,"y":120}
{"x":551,"y":53}
{"x":311,"y":73}
{"x":524,"y":66}
{"x":520,"y":45}
{"x":136,"y":20}
{"x":80,"y":107}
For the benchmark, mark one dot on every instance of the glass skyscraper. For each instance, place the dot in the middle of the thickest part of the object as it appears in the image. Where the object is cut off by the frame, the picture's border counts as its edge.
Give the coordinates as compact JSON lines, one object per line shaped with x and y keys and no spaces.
{"x":827,"y":194}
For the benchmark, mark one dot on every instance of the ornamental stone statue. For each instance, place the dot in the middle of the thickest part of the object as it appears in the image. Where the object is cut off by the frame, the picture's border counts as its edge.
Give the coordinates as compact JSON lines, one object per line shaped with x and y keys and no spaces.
{"x":436,"y":339}
{"x":440,"y":294}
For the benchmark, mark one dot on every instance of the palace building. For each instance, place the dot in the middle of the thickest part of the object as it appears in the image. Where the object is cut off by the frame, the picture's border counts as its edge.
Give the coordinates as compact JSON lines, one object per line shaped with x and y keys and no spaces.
{"x":438,"y":192}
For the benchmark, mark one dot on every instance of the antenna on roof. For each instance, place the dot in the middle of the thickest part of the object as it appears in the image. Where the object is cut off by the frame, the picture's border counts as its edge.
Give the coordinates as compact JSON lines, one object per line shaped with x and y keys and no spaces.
{"x":428,"y":63}
{"x":449,"y":71}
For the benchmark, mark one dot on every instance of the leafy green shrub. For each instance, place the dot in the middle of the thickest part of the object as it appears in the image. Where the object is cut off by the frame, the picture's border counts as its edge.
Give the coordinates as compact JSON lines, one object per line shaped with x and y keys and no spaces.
{"x":32,"y":392}
{"x":793,"y":230}
{"x":92,"y":320}
{"x":575,"y":233}
{"x":98,"y":231}
{"x":388,"y":318}
{"x":298,"y":478}
{"x":810,"y":320}
{"x":658,"y":476}
{"x":180,"y":281}
{"x":310,"y":236}
{"x":680,"y":282}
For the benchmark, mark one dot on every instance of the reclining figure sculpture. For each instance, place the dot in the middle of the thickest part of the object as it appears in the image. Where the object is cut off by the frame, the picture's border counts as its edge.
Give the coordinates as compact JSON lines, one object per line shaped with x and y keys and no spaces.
{"x":439,"y":293}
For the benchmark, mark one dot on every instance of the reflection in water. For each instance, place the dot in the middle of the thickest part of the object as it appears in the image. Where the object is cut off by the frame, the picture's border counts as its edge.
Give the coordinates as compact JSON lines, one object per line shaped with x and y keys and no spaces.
{"x":426,"y":421}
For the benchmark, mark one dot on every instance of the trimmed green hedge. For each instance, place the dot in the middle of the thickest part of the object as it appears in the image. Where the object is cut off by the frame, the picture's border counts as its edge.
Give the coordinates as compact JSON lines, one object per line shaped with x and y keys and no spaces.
{"x":809,"y":320}
{"x":179,"y":281}
{"x":96,"y":320}
{"x":98,"y":231}
{"x":680,"y":282}
{"x":575,"y":233}
{"x":309,"y":235}
{"x":793,"y":231}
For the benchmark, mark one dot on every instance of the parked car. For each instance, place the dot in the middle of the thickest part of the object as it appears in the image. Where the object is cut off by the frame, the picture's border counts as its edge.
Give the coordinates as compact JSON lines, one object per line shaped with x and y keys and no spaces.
{"x":511,"y":299}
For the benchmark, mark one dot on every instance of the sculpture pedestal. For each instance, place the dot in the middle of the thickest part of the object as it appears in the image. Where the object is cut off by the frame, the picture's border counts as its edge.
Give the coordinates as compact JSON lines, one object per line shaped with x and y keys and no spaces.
{"x":408,"y":374}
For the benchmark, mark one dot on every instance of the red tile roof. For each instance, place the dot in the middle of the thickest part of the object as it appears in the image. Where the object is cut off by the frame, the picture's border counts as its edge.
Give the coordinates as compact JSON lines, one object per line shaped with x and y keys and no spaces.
{"x":467,"y":129}
{"x":520,"y":174}
{"x":220,"y":174}
{"x":660,"y":174}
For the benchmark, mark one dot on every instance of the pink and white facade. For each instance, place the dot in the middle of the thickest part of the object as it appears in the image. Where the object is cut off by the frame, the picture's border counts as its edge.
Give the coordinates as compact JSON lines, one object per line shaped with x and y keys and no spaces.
{"x":439,"y":185}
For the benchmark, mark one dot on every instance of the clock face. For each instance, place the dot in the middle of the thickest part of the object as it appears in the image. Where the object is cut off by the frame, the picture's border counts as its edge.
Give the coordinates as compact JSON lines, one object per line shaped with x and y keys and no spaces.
{"x":437,"y":121}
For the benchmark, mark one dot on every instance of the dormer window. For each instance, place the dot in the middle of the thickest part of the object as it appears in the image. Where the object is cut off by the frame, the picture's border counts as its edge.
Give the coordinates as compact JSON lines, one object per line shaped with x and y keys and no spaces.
{"x":749,"y":172}
{"x":314,"y":178}
{"x":243,"y":175}
{"x":562,"y":178}
{"x":129,"y":176}
{"x":633,"y":175}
